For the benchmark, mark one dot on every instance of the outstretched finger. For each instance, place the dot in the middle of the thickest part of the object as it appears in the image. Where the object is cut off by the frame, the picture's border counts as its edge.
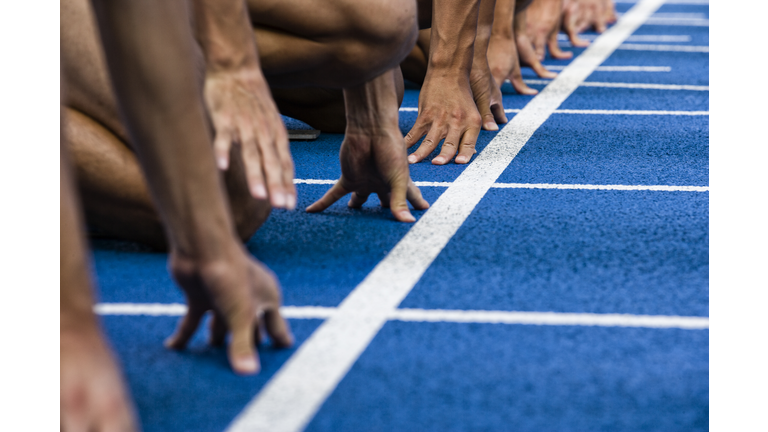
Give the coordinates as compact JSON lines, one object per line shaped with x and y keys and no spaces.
{"x":186,"y":329}
{"x":573,"y":36}
{"x":358,"y":199}
{"x":253,"y":168}
{"x":241,"y":352}
{"x":222,"y":144}
{"x":414,"y":197}
{"x":528,"y":57}
{"x":417,"y":131}
{"x":450,"y":147}
{"x":384,"y":198}
{"x":334,"y":194}
{"x":555,"y":51}
{"x":467,"y":147}
{"x":397,"y":201}
{"x":278,"y":329}
{"x":286,"y":162}
{"x":429,"y":144}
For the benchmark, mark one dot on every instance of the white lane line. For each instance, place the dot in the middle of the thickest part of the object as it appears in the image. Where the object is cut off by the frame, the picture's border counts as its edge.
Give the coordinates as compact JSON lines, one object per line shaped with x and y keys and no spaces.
{"x":635,"y":38}
{"x":291,"y":398}
{"x":678,"y":2}
{"x":600,"y":112}
{"x":620,"y":68}
{"x":660,"y":188}
{"x":551,"y":318}
{"x":630,"y":85}
{"x":440,"y":315}
{"x":671,"y":48}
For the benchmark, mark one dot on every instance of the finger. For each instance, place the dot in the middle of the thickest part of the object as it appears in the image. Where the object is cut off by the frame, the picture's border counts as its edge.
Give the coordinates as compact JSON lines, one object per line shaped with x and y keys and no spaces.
{"x":221,"y":147}
{"x":358,"y":199}
{"x":429,"y":144}
{"x":573,"y":37}
{"x":278,"y":329}
{"x":555,"y":51}
{"x":186,"y":329}
{"x":397,"y":200}
{"x":272,"y":171}
{"x":528,"y":57}
{"x":484,"y":108}
{"x":252,"y":162}
{"x":450,"y":147}
{"x":521,"y":87}
{"x":600,"y":26}
{"x":286,"y":162}
{"x":414,"y":197}
{"x":467,"y":147}
{"x":258,"y":332}
{"x":417,"y":131}
{"x":541,"y":71}
{"x":498,"y":113}
{"x":384,"y":199}
{"x":241,"y":352}
{"x":218,"y":331}
{"x":334,"y":194}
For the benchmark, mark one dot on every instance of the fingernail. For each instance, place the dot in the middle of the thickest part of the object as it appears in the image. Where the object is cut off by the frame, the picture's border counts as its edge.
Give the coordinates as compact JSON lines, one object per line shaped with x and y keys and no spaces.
{"x":438,"y":160}
{"x":291,"y":202}
{"x":246,"y":365}
{"x":222,"y":162}
{"x":278,"y":199}
{"x":259,"y":191}
{"x":491,"y":126}
{"x":406,"y":216}
{"x":412,"y":159}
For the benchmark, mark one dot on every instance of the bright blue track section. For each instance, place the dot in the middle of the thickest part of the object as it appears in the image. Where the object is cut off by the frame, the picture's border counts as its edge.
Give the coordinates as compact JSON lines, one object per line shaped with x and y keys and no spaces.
{"x":533,"y":250}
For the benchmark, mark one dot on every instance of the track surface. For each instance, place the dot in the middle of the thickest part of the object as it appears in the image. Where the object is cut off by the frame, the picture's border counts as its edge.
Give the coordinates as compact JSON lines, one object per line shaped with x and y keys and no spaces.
{"x":533,"y":249}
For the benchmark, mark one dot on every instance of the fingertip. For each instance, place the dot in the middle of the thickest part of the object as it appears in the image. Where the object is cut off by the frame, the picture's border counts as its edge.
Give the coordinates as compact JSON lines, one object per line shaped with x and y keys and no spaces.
{"x":278,"y":200}
{"x":259,"y":191}
{"x":404,"y":216}
{"x":461,"y":159}
{"x":491,"y":126}
{"x":439,"y":160}
{"x":290,"y":201}
{"x":412,"y":159}
{"x":246,"y":365}
{"x":222,"y":162}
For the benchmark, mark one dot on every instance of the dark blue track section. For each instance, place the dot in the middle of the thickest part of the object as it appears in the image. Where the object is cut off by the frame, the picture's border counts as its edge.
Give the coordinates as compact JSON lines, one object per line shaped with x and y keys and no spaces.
{"x":575,"y":251}
{"x":481,"y":377}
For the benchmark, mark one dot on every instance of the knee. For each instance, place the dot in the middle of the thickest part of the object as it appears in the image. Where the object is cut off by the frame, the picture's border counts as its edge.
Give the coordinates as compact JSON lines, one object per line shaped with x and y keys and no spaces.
{"x":385,"y":31}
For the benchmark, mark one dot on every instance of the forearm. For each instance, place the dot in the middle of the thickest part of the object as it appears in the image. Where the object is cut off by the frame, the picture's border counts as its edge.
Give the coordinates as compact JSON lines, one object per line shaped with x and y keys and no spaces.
{"x":503,"y":19}
{"x":153,"y":76}
{"x":484,"y":29}
{"x":224,"y":32}
{"x":454,"y":27}
{"x":372,"y":106}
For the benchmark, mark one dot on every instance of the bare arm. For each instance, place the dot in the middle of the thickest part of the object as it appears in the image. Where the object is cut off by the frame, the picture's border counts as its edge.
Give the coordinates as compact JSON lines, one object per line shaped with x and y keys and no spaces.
{"x":149,"y":51}
{"x":502,"y":49}
{"x":240,"y":103}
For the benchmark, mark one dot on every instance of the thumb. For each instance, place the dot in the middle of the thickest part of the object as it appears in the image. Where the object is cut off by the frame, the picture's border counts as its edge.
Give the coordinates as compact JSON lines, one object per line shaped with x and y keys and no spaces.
{"x":397,"y":200}
{"x":483,"y":102}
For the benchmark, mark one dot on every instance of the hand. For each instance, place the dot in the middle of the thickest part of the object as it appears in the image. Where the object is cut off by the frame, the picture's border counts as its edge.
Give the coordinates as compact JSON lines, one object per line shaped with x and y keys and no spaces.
{"x":487,"y":94}
{"x":580,"y":15}
{"x":374,"y":163}
{"x":243,"y":112}
{"x":526,"y":49}
{"x":505,"y":64}
{"x":447,"y":111}
{"x":242,"y":293}
{"x":93,"y":395}
{"x":542,"y":24}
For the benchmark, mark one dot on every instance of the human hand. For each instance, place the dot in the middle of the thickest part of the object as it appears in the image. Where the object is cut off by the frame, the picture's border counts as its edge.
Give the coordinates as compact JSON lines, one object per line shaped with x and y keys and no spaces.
{"x":93,"y":395}
{"x":447,"y":111}
{"x":244,"y":115}
{"x":526,"y":49}
{"x":505,"y":64}
{"x":542,"y":24}
{"x":374,"y":161}
{"x":580,"y":15}
{"x":242,"y":293}
{"x":487,"y":94}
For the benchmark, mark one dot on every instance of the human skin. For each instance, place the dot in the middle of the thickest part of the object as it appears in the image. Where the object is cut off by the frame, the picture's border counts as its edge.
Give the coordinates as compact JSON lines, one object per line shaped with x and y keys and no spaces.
{"x":502,"y":49}
{"x":542,"y":24}
{"x":117,"y":201}
{"x":580,"y":15}
{"x":93,"y":393}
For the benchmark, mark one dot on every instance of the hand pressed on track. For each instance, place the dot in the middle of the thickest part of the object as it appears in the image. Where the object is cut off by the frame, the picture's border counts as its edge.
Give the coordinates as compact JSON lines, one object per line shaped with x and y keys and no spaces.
{"x":375,"y":162}
{"x":242,"y":294}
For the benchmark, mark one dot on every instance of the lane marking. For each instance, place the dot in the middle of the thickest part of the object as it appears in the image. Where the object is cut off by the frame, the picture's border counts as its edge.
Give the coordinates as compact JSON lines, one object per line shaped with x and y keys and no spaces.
{"x":635,"y":38}
{"x":646,"y":86}
{"x":620,"y":68}
{"x":660,"y":188}
{"x":671,"y":48}
{"x":441,"y":315}
{"x":551,"y":318}
{"x":677,"y":2}
{"x":289,"y":401}
{"x":603,"y":112}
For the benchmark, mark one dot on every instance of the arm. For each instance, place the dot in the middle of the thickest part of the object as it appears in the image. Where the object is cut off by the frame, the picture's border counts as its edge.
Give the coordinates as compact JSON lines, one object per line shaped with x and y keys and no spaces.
{"x":502,"y":48}
{"x":240,"y":103}
{"x":373,"y":154}
{"x":152,"y":73}
{"x":446,"y":106}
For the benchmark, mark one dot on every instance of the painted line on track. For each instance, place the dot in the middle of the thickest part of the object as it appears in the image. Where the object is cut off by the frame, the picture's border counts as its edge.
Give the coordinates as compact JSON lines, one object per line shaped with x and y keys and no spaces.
{"x":634,"y":38}
{"x":645,"y":86}
{"x":442,"y":315}
{"x":620,"y":68}
{"x":290,"y":399}
{"x":601,"y":112}
{"x":660,"y":188}
{"x":650,"y":47}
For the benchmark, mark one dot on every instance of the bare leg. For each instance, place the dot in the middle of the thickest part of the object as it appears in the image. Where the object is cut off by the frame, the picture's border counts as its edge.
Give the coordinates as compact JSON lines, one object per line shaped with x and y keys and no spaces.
{"x":114,"y":191}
